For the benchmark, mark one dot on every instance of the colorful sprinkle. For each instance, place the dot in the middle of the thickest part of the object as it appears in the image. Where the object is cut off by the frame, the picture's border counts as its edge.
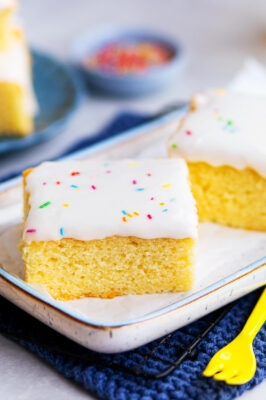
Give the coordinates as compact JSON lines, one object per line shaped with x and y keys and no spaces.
{"x":136,"y":213}
{"x":128,"y":58}
{"x":133,"y":164}
{"x":93,"y":187}
{"x":65,"y":205}
{"x":130,"y":215}
{"x":166,"y":186}
{"x":31,"y":230}
{"x":58,"y":182}
{"x":152,"y":198}
{"x":188,"y":133}
{"x":108,"y":172}
{"x":165,"y":209}
{"x":148,"y":174}
{"x":45,"y":204}
{"x":173,"y":199}
{"x":124,"y":212}
{"x":74,"y":186}
{"x":44,"y":183}
{"x":140,"y":189}
{"x":62,"y":231}
{"x":124,"y":219}
{"x":75,"y":173}
{"x":134,"y":182}
{"x":161,"y":204}
{"x":174,"y":146}
{"x":149,"y":216}
{"x":229,"y":123}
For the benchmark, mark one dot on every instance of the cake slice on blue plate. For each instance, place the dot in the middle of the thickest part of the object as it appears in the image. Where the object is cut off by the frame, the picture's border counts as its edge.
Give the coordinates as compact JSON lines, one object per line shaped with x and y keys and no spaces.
{"x":17,"y":102}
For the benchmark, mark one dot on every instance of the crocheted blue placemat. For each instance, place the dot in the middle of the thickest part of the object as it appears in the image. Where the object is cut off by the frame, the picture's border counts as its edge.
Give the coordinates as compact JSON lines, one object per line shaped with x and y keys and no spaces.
{"x":185,"y":383}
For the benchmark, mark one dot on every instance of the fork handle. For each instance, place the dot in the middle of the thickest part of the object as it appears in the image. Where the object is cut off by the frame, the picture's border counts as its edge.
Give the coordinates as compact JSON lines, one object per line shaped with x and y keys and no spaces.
{"x":256,"y":318}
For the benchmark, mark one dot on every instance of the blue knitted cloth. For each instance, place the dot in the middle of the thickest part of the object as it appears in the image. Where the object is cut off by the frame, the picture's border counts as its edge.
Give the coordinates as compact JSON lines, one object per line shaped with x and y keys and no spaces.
{"x":185,"y":383}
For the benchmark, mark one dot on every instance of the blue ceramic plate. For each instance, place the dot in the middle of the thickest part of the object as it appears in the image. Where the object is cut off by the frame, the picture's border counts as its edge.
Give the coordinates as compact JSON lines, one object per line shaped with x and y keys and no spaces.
{"x":153,"y":79}
{"x":57,"y":91}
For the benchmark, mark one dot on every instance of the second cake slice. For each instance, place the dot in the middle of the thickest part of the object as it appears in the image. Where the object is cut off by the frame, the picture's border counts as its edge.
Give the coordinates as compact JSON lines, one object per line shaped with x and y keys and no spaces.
{"x":105,"y":229}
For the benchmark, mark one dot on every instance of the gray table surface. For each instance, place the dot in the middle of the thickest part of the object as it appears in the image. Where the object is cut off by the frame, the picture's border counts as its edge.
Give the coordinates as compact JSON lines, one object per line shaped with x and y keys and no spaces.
{"x":217,"y":37}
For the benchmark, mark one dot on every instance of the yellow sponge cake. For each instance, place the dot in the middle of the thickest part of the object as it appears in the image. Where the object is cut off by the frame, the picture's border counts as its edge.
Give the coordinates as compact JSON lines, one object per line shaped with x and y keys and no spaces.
{"x":17,"y":102}
{"x":223,"y":140}
{"x":106,"y":229}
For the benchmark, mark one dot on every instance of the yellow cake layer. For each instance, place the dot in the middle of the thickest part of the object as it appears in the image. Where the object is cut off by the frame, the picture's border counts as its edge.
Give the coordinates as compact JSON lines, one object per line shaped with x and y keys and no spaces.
{"x":229,"y":196}
{"x":14,"y":119}
{"x":114,"y":266}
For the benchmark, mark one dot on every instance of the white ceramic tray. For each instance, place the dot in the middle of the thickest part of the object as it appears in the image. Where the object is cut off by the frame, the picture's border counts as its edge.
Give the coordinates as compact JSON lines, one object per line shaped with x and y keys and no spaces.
{"x":231,"y":263}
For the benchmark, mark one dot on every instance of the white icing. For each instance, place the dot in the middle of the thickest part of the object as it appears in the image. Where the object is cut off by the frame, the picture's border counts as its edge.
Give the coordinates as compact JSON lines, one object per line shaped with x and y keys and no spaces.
{"x":15,"y":68}
{"x":4,"y":4}
{"x":226,"y":129}
{"x":96,"y":205}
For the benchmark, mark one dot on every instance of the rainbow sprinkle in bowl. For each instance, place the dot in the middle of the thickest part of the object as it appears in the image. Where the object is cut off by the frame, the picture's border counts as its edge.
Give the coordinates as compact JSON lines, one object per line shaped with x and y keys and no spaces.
{"x":127,"y":62}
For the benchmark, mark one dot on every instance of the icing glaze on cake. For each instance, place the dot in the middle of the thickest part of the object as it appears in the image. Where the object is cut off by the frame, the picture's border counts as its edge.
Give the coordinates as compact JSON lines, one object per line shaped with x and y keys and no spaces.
{"x":89,"y":200}
{"x":225,"y":128}
{"x":5,"y":4}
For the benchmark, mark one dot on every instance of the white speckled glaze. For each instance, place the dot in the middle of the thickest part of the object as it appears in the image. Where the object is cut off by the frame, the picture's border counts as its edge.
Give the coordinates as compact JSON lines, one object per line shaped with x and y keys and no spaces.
{"x":89,"y":200}
{"x":226,"y":128}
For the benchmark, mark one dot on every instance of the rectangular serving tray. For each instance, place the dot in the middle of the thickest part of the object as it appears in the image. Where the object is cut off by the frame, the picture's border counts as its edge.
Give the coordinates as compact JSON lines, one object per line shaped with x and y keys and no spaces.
{"x":100,"y":334}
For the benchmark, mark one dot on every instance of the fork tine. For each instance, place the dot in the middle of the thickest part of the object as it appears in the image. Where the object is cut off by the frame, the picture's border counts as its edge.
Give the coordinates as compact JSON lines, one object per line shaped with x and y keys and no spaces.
{"x":213,"y":367}
{"x":236,"y":380}
{"x":240,"y":378}
{"x":224,"y":375}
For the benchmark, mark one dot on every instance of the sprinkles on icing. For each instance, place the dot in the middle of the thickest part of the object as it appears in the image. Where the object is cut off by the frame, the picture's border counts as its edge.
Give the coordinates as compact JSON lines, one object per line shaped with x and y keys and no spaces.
{"x":153,"y":205}
{"x":45,"y":204}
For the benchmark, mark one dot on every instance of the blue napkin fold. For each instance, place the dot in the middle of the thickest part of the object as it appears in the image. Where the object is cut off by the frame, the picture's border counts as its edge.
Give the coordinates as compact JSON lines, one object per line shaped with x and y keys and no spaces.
{"x":122,"y":122}
{"x":184,"y":383}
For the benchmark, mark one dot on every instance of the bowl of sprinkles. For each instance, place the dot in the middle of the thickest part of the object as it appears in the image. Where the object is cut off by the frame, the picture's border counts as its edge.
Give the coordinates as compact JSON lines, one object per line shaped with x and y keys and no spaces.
{"x":127,"y":62}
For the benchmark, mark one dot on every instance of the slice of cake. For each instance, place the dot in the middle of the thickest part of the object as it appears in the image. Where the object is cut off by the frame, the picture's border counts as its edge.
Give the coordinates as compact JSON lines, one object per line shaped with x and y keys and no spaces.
{"x":17,"y":102}
{"x":223,"y":140}
{"x":106,"y":229}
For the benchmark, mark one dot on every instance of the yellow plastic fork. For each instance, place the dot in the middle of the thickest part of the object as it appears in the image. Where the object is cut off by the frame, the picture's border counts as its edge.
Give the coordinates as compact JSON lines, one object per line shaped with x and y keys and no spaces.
{"x":236,"y":363}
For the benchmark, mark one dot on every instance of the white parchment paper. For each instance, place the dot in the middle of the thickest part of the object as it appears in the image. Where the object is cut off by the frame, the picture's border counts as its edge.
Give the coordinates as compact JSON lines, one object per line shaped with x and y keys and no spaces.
{"x":221,"y":252}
